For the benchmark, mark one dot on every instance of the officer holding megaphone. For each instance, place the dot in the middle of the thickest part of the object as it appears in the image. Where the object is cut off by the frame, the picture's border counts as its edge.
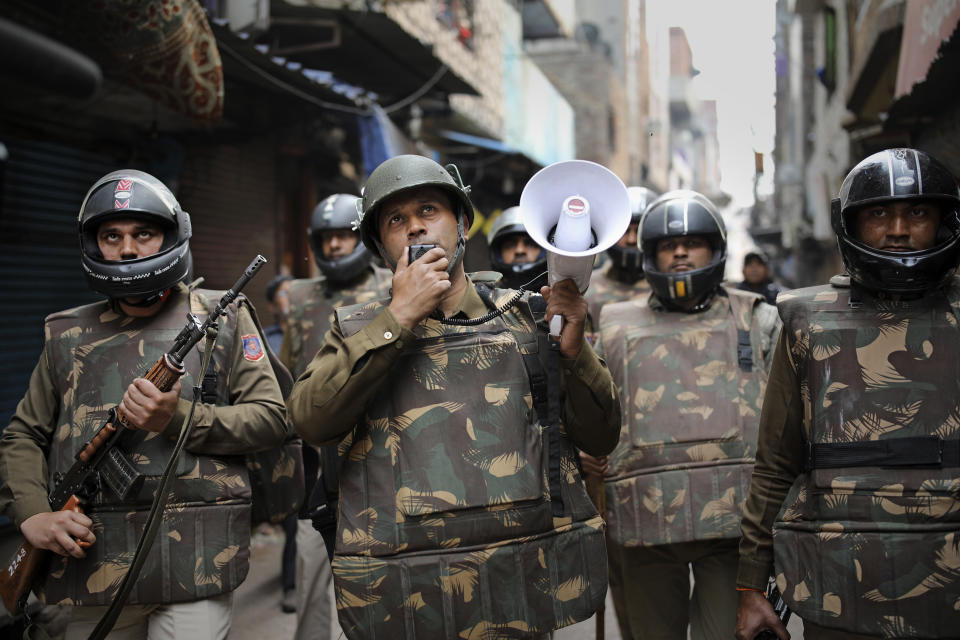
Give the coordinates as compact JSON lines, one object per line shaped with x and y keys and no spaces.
{"x":447,"y":468}
{"x":691,"y":360}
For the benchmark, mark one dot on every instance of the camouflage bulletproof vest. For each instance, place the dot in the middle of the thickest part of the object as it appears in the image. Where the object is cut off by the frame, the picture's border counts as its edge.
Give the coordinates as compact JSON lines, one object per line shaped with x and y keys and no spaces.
{"x":201,"y":549}
{"x":691,"y":386}
{"x":605,"y":289}
{"x":445,"y":525}
{"x":868,"y":539}
{"x":312,"y":303}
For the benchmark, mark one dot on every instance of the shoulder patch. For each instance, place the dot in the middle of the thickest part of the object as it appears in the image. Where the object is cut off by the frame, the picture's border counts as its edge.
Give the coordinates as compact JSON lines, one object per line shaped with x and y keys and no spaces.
{"x":252,"y":348}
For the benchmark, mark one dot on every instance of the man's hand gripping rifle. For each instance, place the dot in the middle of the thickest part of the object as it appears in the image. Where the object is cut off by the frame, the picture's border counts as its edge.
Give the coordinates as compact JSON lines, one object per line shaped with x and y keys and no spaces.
{"x":101,"y":462}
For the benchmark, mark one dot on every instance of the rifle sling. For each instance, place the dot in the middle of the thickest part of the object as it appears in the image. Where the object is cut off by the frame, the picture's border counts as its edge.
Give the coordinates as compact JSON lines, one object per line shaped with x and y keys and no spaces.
{"x":155,"y":517}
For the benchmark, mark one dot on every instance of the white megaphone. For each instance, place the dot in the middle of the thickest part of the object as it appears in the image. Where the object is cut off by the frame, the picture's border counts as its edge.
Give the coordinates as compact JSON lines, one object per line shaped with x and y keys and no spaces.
{"x":574,"y":209}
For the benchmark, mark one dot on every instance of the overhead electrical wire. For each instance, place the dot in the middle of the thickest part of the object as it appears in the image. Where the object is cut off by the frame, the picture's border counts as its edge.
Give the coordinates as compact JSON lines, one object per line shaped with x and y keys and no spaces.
{"x":332,"y":106}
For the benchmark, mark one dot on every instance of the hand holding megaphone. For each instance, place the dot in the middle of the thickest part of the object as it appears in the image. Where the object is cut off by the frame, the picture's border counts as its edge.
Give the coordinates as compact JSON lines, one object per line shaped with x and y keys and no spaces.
{"x":574,"y":209}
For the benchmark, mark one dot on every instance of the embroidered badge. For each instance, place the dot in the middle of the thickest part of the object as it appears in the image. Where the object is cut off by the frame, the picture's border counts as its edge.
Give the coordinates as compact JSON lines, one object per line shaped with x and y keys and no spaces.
{"x":252,"y":349}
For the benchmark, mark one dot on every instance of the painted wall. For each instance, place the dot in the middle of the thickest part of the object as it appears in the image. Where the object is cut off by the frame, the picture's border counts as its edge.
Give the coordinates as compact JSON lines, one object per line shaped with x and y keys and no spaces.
{"x":538,"y":121}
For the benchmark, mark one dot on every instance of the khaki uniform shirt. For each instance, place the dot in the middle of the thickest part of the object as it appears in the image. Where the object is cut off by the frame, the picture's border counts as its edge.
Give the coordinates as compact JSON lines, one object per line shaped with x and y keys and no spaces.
{"x":780,"y":453}
{"x":253,"y":422}
{"x":330,"y":398}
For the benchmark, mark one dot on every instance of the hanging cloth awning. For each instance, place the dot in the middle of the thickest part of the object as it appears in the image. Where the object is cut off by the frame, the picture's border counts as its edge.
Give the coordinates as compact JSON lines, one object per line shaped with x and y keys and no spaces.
{"x":164,"y":49}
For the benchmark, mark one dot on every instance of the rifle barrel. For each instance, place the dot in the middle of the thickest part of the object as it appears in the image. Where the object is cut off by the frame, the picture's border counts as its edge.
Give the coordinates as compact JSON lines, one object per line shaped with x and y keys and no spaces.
{"x":234,"y":291}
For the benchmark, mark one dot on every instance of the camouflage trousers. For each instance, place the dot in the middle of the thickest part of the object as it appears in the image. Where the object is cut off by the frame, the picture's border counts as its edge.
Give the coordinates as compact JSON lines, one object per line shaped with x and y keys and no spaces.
{"x":656,"y":590}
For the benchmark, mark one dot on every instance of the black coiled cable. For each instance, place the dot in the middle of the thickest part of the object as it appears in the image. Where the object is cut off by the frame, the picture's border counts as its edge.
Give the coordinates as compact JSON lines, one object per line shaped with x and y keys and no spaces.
{"x":499,"y":311}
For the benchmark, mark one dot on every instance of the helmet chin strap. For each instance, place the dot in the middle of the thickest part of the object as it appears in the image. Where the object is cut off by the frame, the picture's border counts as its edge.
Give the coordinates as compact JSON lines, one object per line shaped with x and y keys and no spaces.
{"x":702,"y":305}
{"x":461,"y":244}
{"x":149,"y":301}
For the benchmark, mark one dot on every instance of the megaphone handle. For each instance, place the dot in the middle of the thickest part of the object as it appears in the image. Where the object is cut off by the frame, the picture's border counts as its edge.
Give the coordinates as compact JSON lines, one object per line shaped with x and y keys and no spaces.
{"x":556,"y":326}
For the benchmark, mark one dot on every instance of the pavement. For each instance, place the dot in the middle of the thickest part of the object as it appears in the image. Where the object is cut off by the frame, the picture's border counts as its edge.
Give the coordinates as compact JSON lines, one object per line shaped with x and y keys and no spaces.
{"x":256,"y":603}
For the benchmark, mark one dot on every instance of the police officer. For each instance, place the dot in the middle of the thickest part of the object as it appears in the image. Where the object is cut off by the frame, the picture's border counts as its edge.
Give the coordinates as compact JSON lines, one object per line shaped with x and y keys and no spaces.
{"x":134,"y":240}
{"x":462,"y":511}
{"x":853,"y":504}
{"x":757,"y":277}
{"x":277,"y":293}
{"x":348,"y":277}
{"x":622,"y":277}
{"x":690,"y":361}
{"x":514,"y":254}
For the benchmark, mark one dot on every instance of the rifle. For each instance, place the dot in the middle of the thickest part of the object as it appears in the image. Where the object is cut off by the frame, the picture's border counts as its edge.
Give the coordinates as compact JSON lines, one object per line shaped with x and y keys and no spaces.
{"x":321,"y":507}
{"x":775,"y":598}
{"x":100,"y":461}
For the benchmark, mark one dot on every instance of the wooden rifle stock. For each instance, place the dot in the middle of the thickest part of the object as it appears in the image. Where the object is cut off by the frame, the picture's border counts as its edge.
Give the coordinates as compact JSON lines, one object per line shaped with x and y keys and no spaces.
{"x":18,"y":578}
{"x":22,"y":571}
{"x":73,"y":489}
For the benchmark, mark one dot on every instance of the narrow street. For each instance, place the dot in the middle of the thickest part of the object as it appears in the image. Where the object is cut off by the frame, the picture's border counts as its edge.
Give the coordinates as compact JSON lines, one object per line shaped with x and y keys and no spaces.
{"x":749,"y":222}
{"x":256,"y":604}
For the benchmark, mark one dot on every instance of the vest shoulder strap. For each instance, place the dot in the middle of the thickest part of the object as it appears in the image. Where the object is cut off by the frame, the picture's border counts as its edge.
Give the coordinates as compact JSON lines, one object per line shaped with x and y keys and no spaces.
{"x":306,"y":289}
{"x":284,"y":378}
{"x":78,"y":316}
{"x":353,"y":318}
{"x":743,"y":304}
{"x":746,"y":308}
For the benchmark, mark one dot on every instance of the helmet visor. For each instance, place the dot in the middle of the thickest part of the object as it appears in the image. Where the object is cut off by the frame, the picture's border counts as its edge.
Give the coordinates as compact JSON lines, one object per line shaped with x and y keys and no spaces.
{"x":92,"y":227}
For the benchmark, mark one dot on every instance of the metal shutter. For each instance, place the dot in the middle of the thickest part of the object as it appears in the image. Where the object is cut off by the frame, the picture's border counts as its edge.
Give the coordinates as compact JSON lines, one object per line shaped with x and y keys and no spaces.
{"x":43,"y":186}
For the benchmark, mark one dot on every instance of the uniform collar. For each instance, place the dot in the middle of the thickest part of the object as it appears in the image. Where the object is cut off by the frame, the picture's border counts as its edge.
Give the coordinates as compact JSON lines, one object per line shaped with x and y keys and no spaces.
{"x":471,"y":305}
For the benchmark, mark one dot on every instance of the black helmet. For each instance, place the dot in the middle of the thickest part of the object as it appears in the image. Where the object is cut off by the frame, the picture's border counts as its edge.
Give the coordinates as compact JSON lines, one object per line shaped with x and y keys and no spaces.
{"x":134,"y":194}
{"x":683,"y":213}
{"x":627,"y":260}
{"x":338,"y":211}
{"x":407,"y":172}
{"x":514,"y":275}
{"x":893,"y":175}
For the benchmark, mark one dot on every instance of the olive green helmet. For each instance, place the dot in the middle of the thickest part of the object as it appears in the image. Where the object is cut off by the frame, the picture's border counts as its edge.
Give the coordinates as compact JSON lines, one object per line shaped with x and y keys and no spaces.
{"x":406,"y":172}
